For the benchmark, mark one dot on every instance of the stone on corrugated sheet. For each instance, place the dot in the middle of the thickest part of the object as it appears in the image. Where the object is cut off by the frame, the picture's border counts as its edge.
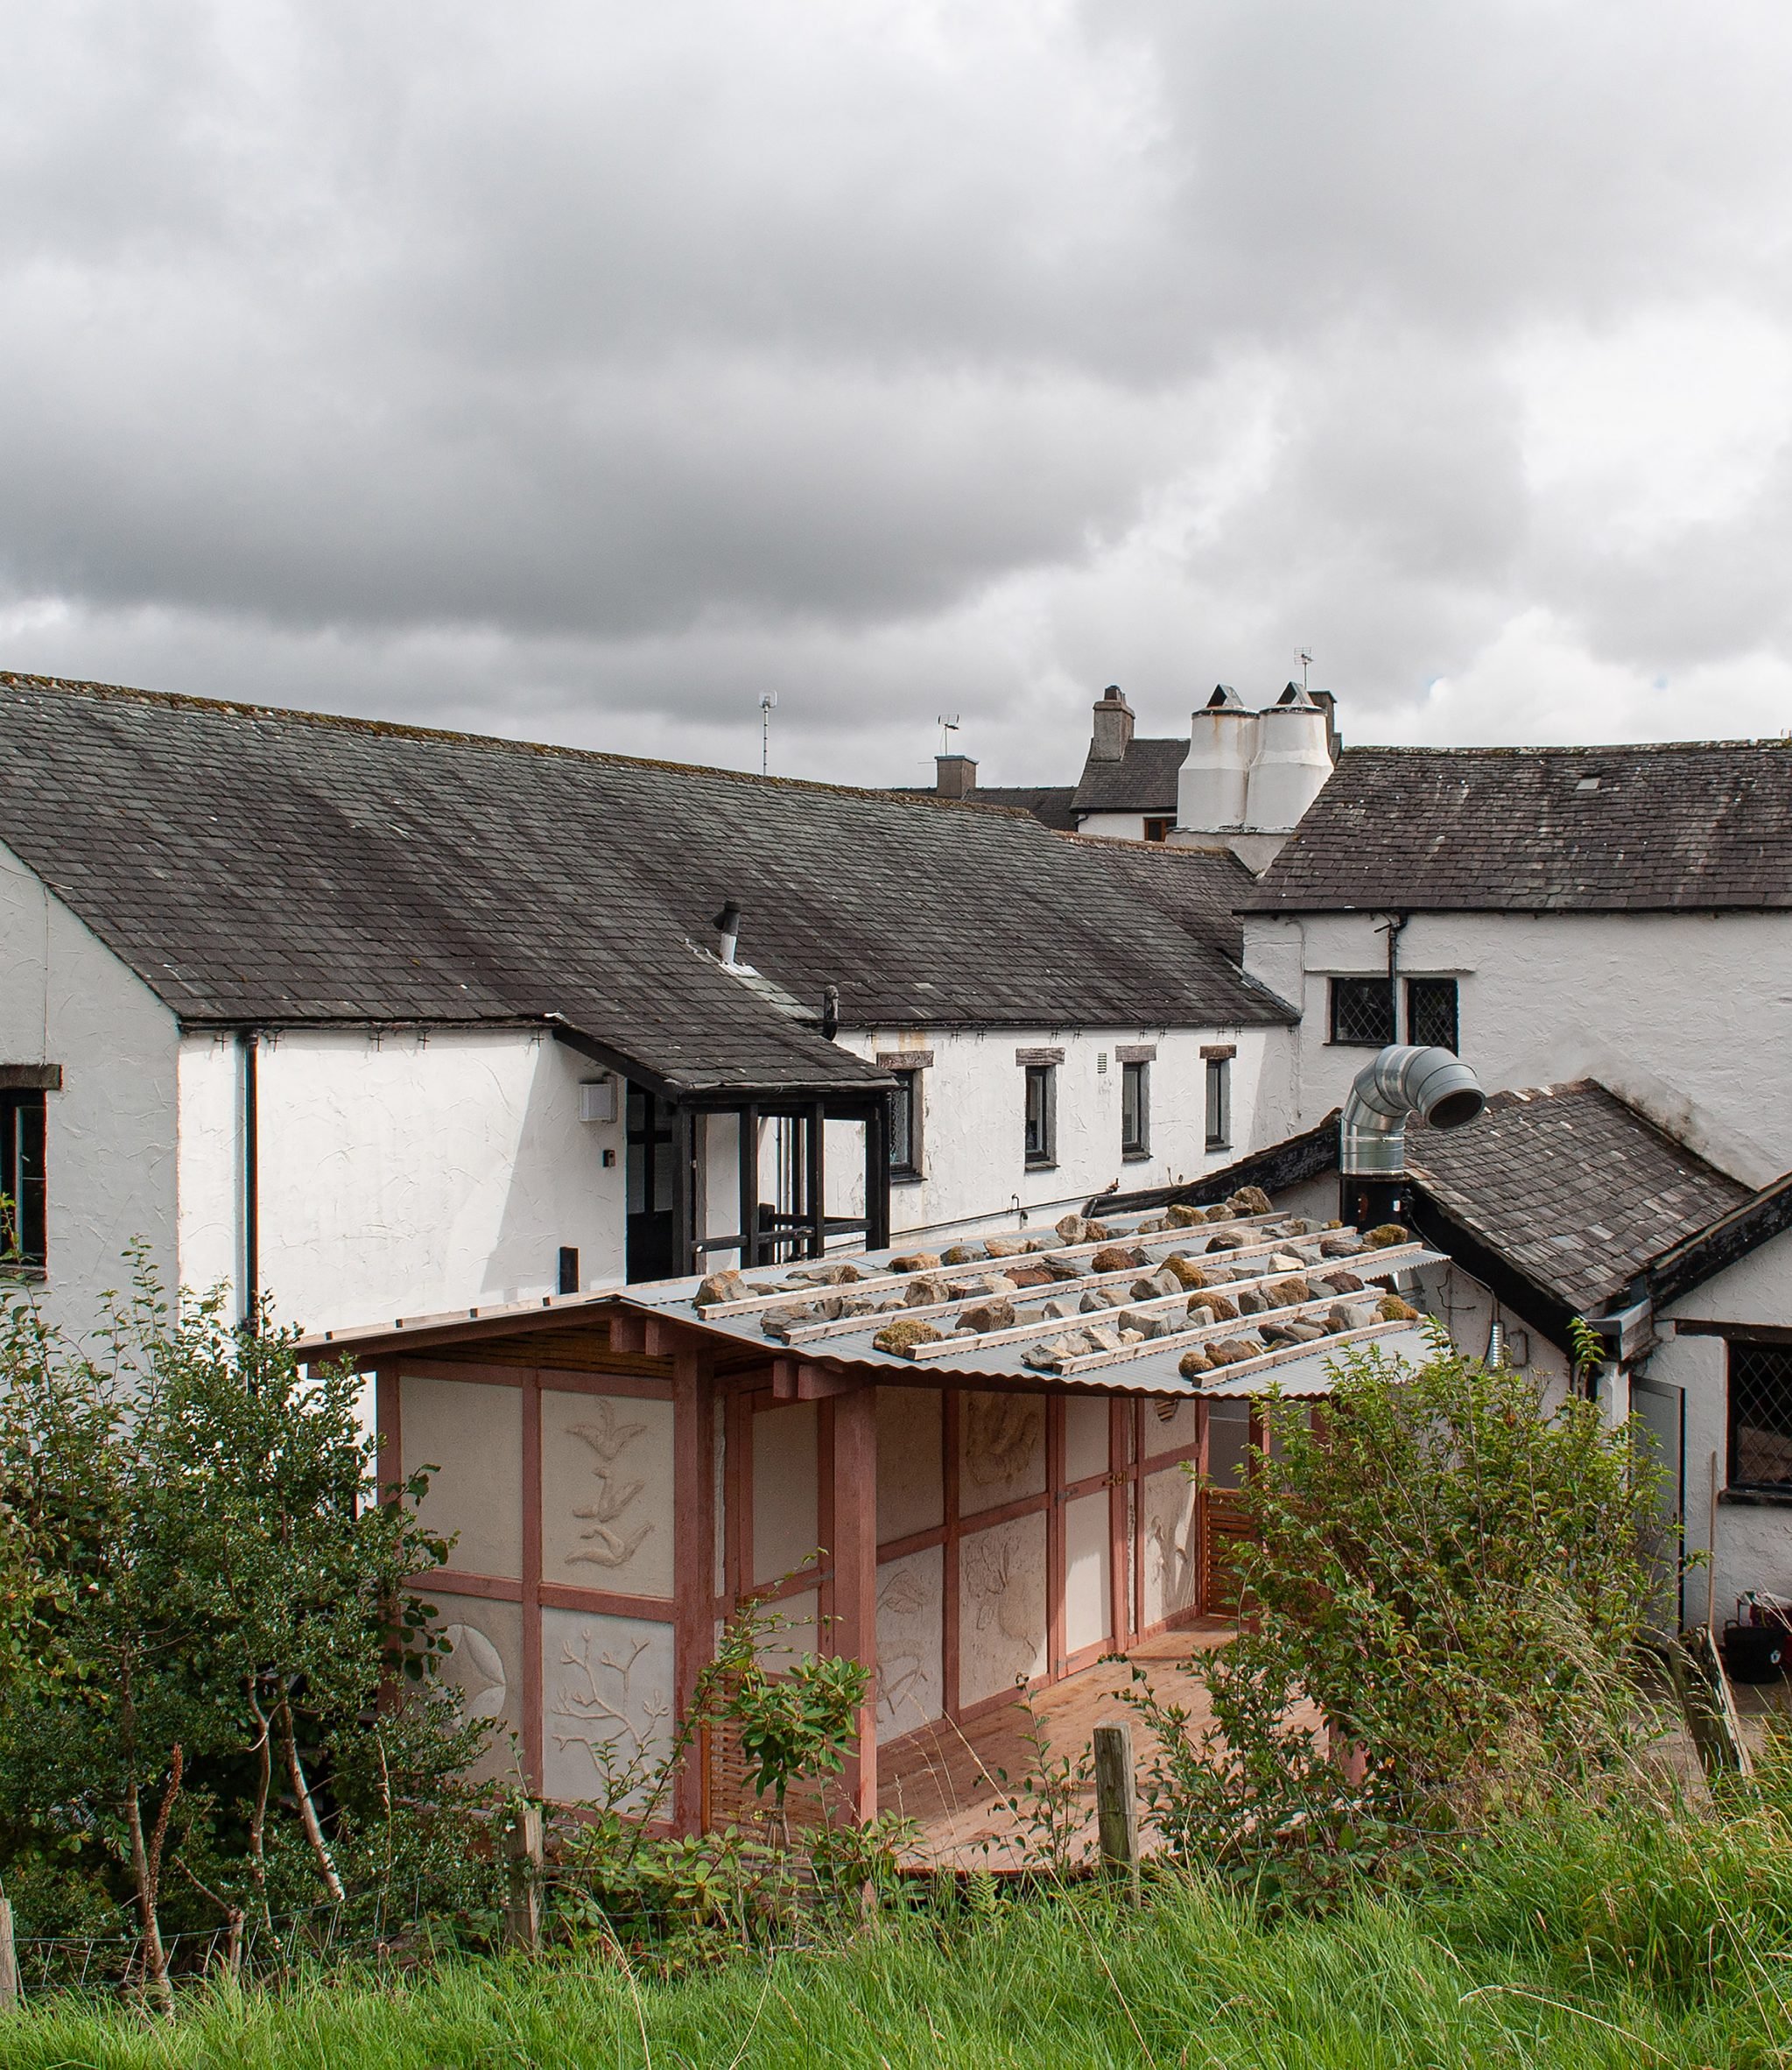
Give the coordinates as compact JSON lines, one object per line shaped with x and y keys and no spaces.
{"x":779,"y":1322}
{"x":924,"y":1292}
{"x":1284,"y":1260}
{"x":1071,"y":1228}
{"x":838,"y":1275}
{"x":1094,"y":1232}
{"x":1391,"y":1308}
{"x":1345,"y":1244}
{"x":1052,"y":1354}
{"x":1154,"y":1284}
{"x":1250,"y":1199}
{"x":1150,"y":1226}
{"x":905,"y":1336}
{"x":963,"y":1253}
{"x":1187,"y":1272}
{"x":1352,"y":1315}
{"x":917,"y":1261}
{"x":1228,"y":1351}
{"x":1304,"y":1333}
{"x":1057,"y":1310}
{"x":1105,"y":1297}
{"x":1063,"y":1268}
{"x":1386,"y":1233}
{"x":1278,"y":1332}
{"x":1029,"y":1275}
{"x":1146,"y":1325}
{"x":721,"y":1286}
{"x":1114,"y":1257}
{"x":1227,"y":1240}
{"x":1220,"y":1213}
{"x":982,"y":1316}
{"x":1341,"y":1282}
{"x":894,"y":1302}
{"x":1183,"y":1218}
{"x":1250,"y":1302}
{"x":1215,"y":1307}
{"x":1005,"y":1246}
{"x":1194,"y":1362}
{"x":1102,"y":1336}
{"x":1285,"y":1293}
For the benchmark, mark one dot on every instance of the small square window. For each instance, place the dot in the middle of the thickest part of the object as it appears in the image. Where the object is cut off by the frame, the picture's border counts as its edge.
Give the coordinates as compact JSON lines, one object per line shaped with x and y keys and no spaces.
{"x":1134,"y":1111}
{"x":1219,"y":1103}
{"x":1760,"y":1414}
{"x":1042,"y":1115}
{"x":1158,"y":829}
{"x":1431,"y":1012}
{"x":906,"y":1126}
{"x":1363,"y":1011}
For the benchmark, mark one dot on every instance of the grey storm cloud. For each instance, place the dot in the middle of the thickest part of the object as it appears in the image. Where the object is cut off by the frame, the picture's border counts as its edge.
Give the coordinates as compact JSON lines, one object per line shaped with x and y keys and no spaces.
{"x":593,"y":371}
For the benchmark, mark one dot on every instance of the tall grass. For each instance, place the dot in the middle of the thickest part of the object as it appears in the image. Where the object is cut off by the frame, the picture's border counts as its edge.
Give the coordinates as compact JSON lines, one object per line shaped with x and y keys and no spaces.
{"x":1591,"y":1938}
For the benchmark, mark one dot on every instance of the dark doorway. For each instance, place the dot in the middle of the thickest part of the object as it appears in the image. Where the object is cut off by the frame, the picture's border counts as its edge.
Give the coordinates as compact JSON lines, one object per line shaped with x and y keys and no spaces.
{"x":650,"y":1186}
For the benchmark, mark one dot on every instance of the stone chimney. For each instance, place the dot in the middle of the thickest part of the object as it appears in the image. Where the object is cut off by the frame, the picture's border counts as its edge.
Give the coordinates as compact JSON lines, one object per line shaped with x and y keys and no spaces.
{"x":955,"y":775}
{"x":1114,"y":727}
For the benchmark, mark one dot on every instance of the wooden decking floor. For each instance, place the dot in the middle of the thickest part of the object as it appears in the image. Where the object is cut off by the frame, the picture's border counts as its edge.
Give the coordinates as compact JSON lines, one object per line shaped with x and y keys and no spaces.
{"x":948,"y":1778}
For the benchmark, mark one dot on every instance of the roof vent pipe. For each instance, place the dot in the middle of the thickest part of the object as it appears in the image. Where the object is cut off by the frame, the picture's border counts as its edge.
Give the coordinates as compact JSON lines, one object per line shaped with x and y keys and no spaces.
{"x":1399,"y":1081}
{"x":727,"y":924}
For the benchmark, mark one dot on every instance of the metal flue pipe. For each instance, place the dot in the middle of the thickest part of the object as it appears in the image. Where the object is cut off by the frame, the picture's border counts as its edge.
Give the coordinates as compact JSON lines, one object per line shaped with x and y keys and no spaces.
{"x":1399,"y":1081}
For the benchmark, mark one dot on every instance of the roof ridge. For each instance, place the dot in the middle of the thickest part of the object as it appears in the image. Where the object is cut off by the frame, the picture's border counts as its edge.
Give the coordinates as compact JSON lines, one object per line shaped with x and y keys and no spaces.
{"x":403,"y":729}
{"x":1625,"y":746}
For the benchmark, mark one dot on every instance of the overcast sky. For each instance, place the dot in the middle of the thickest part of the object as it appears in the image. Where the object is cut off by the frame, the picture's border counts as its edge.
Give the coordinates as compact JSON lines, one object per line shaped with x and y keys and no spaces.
{"x":585,"y":371}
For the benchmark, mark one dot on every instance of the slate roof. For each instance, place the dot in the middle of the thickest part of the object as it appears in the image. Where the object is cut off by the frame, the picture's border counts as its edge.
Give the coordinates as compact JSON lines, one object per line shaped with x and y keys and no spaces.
{"x":1049,"y":803}
{"x":1573,"y":1188}
{"x":255,"y":865}
{"x":1144,"y":780}
{"x":1691,"y":826}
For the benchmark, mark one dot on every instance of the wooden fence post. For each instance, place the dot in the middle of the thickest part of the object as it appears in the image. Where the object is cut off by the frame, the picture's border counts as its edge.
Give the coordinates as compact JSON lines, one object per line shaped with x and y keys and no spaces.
{"x":524,"y":1849}
{"x":8,"y":1959}
{"x":1117,"y":1800}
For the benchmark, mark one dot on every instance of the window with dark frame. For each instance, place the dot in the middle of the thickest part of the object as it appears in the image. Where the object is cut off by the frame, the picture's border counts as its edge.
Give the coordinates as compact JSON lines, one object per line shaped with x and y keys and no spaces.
{"x":1760,"y":1414}
{"x":905,"y":1125}
{"x":1219,"y":1103}
{"x":23,"y":1235}
{"x":1158,"y":829}
{"x":1134,"y":1111}
{"x":1363,"y":1012}
{"x":1041,"y":1119}
{"x":1431,"y":1012}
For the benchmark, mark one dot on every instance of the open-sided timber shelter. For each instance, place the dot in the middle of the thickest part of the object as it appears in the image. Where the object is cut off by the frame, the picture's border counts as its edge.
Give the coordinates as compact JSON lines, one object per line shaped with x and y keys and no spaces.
{"x":992,"y":1495}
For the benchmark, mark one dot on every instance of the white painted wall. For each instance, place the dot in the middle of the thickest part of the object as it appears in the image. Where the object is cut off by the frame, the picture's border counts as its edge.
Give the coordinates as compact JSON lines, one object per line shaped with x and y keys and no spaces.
{"x":406,"y":1174}
{"x":972,"y":1144}
{"x":1112,"y":826}
{"x":1688,"y":1016}
{"x":1752,"y":1542}
{"x":110,"y":1144}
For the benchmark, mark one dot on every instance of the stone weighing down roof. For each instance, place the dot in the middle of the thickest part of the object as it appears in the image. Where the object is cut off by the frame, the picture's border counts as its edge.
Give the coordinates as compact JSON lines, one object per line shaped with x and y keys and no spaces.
{"x":255,"y":865}
{"x":1144,"y":780}
{"x":1572,"y":1188}
{"x":1689,"y":825}
{"x":1284,"y":1331}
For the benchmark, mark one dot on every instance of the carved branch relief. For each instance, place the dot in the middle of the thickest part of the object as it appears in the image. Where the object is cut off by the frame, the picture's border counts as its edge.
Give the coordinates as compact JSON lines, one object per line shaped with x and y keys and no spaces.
{"x":1001,"y":1624}
{"x":608,"y":1697}
{"x":909,"y":1626}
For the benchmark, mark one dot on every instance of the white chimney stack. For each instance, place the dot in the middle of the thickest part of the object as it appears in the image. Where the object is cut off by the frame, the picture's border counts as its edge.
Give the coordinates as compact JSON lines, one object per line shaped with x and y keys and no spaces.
{"x":1292,"y":762}
{"x":1211,"y":792}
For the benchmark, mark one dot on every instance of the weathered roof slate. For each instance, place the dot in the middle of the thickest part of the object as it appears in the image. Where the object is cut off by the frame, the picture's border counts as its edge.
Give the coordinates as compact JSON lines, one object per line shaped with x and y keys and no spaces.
{"x":1569,"y":1186}
{"x":1144,"y":780}
{"x":261,"y":865}
{"x":1694,"y":826}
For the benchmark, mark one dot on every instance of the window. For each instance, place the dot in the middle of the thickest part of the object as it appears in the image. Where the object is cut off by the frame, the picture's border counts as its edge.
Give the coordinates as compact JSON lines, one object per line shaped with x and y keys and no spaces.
{"x":1760,"y":1414}
{"x":905,"y":1125}
{"x":1042,"y":1116}
{"x":1363,"y":1011}
{"x":1134,"y":1111}
{"x":22,"y":1233}
{"x":1158,"y":829}
{"x":1219,"y":1103}
{"x":1431,"y":1012}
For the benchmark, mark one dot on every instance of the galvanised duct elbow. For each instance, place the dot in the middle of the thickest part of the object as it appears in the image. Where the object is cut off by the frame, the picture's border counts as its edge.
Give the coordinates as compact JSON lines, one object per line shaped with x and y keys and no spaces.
{"x":1401,"y":1080}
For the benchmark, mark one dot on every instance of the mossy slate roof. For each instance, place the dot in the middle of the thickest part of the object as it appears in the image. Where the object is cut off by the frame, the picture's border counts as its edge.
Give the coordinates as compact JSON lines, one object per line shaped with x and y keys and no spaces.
{"x":1688,"y":825}
{"x":255,"y":865}
{"x":1573,"y":1189}
{"x":1144,"y":779}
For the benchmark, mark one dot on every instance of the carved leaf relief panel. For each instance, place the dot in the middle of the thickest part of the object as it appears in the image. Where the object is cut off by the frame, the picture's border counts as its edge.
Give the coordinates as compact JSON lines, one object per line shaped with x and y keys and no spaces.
{"x":910,"y":1625}
{"x":1172,"y":1565}
{"x":1001,"y":1450}
{"x":606,"y":1492}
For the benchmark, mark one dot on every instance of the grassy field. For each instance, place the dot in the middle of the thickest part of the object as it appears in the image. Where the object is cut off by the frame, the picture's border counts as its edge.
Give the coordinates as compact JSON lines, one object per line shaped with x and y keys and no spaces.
{"x":1588,"y":1941}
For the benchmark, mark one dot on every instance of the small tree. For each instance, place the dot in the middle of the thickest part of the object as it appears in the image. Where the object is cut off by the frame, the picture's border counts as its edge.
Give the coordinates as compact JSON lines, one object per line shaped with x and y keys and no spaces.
{"x":1446,"y":1586}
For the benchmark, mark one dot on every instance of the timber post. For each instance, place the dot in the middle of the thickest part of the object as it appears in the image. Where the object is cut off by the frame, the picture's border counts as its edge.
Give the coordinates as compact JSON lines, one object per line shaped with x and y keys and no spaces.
{"x":1117,"y":1801}
{"x":525,"y":1856}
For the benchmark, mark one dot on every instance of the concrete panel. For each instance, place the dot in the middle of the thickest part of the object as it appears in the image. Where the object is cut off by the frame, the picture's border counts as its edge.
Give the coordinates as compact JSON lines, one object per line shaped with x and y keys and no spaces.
{"x":1172,"y":1563}
{"x":486,"y":1666}
{"x":786,"y":1521}
{"x":911,"y":1493}
{"x":1084,"y":1438}
{"x":473,"y":1435}
{"x":1171,"y":1425}
{"x":1228,"y":1442}
{"x":1087,"y":1558}
{"x":911,"y":1626}
{"x":606,"y":1492}
{"x":798,"y":1622}
{"x":1001,"y":1450}
{"x":1001,"y":1608}
{"x":607,"y":1699}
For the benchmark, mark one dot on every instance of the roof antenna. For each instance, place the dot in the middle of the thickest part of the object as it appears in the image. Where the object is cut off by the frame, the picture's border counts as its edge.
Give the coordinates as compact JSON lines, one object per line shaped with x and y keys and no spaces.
{"x":768,"y":705}
{"x":948,"y":728}
{"x":1306,"y":662}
